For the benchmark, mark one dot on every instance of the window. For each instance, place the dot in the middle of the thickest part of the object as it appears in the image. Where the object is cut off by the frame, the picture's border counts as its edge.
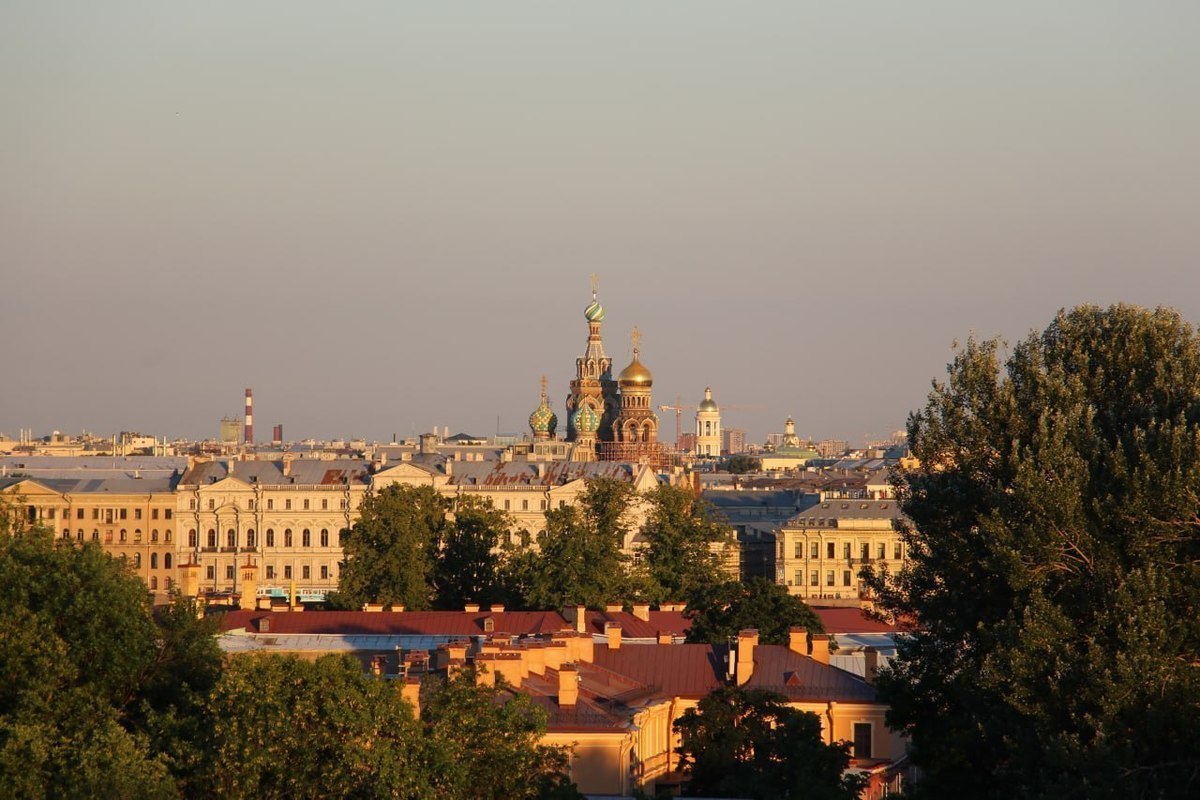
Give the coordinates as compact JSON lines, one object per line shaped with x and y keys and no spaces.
{"x":192,"y":538}
{"x":123,"y":535}
{"x":212,"y":538}
{"x":80,"y":536}
{"x":799,"y":549}
{"x":192,"y":504}
{"x":153,"y":582}
{"x":67,"y":533}
{"x":79,"y":513}
{"x":231,"y":538}
{"x":229,"y":572}
{"x":342,"y":504}
{"x":137,"y":535}
{"x":169,"y":584}
{"x":167,"y":514}
{"x":562,"y":503}
{"x":866,"y":551}
{"x":324,"y":572}
{"x":270,"y":572}
{"x":287,"y":537}
{"x":815,"y":553}
{"x":167,"y":536}
{"x":137,"y":513}
{"x":107,"y":535}
{"x":814,"y":578}
{"x":50,"y":513}
{"x":270,"y":537}
{"x":325,"y":504}
{"x":799,"y":581}
{"x":250,"y":504}
{"x":154,"y":561}
{"x":287,"y":573}
{"x":830,"y":550}
{"x":305,"y":572}
{"x":251,"y":539}
{"x":211,"y":504}
{"x":167,"y":563}
{"x":882,"y":551}
{"x":123,"y":514}
{"x":897,"y":553}
{"x":154,"y":513}
{"x":210,"y":572}
{"x":287,"y":504}
{"x":846,"y":551}
{"x":507,"y":505}
{"x":846,"y":578}
{"x":306,"y":504}
{"x":829,"y":578}
{"x":862,"y":740}
{"x":324,"y":537}
{"x":306,"y":538}
{"x":154,"y":536}
{"x":342,"y":536}
{"x":108,"y":516}
{"x":270,"y":505}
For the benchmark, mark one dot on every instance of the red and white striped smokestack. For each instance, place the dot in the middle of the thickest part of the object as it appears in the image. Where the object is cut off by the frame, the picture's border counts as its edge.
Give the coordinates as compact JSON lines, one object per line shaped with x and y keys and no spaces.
{"x":249,"y":417}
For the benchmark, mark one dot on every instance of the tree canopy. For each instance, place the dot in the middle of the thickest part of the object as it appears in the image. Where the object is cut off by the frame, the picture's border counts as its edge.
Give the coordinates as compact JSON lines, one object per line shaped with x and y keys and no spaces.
{"x":750,"y":743}
{"x":685,"y":543}
{"x":719,"y":611}
{"x":1054,"y":565}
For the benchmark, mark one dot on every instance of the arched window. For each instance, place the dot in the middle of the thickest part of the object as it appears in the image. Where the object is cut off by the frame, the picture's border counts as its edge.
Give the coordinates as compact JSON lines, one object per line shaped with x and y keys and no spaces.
{"x":67,"y":533}
{"x":306,"y":538}
{"x":231,"y":538}
{"x":270,"y":537}
{"x":137,"y":535}
{"x":212,"y":538}
{"x":154,"y":535}
{"x":79,"y":536}
{"x":251,"y":539}
{"x":137,"y":560}
{"x":107,"y":535}
{"x":154,"y":561}
{"x":167,"y":565}
{"x":153,"y":583}
{"x":324,"y":537}
{"x":287,"y":537}
{"x":167,"y":536}
{"x":169,"y":584}
{"x":192,"y":537}
{"x":122,"y":535}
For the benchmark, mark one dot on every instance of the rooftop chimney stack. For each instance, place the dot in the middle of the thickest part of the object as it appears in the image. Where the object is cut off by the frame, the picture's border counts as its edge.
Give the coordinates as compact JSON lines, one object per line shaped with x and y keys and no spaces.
{"x":568,"y":685}
{"x":747,"y":641}
{"x":249,"y":437}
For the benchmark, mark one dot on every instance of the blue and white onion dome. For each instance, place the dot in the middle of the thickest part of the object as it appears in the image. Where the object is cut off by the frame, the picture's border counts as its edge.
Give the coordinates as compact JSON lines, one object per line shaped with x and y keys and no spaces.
{"x":586,"y":420}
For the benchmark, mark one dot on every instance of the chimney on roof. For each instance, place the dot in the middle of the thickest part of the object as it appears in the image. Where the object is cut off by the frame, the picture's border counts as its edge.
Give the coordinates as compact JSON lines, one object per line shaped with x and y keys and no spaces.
{"x":568,"y":685}
{"x":642,"y":611}
{"x":286,"y":467}
{"x":746,"y":643}
{"x":373,"y":608}
{"x":613,"y":608}
{"x":577,"y":616}
{"x":613,"y":631}
{"x":798,"y":640}
{"x":471,"y":608}
{"x":248,"y":579}
{"x":871,"y":664}
{"x":449,"y":466}
{"x":398,"y":607}
{"x":820,"y":648}
{"x":666,"y":637}
{"x":496,"y":608}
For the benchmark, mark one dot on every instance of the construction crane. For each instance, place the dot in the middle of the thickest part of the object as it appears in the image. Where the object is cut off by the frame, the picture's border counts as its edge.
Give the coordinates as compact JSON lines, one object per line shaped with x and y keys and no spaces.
{"x":679,"y":408}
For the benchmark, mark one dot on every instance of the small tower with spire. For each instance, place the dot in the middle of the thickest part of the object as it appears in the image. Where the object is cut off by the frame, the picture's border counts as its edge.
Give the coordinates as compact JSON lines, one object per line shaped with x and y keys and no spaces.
{"x":543,"y":421}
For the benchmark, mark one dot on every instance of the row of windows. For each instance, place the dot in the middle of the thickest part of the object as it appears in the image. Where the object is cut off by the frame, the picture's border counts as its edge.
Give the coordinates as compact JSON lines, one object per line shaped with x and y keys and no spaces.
{"x":525,"y":505}
{"x":231,"y":538}
{"x":865,"y":550}
{"x":122,"y":537}
{"x":305,"y":572}
{"x":252,"y":504}
{"x":109,"y":515}
{"x":137,"y":560}
{"x":814,"y":578}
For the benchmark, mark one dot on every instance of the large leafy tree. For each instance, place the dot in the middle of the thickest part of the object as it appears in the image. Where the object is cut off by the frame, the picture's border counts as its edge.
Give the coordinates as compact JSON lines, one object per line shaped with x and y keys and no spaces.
{"x":391,"y":550}
{"x":719,"y":611}
{"x":93,"y":686}
{"x":469,"y":558}
{"x":685,"y":544}
{"x":750,"y":743}
{"x":1054,"y":565}
{"x":485,"y":743}
{"x":284,"y":727}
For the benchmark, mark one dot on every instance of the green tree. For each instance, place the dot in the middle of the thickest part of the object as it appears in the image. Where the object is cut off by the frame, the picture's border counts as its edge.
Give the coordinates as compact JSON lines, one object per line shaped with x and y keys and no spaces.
{"x":485,"y":743}
{"x":750,"y":743}
{"x":1054,"y":565}
{"x":391,"y":550}
{"x":469,"y":557}
{"x":684,"y":543}
{"x":90,"y":679}
{"x":287,"y":728}
{"x":740,"y":463}
{"x":719,"y":611}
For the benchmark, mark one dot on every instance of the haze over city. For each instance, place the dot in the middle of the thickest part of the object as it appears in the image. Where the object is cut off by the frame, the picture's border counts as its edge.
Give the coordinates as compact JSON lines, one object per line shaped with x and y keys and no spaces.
{"x":384,"y":216}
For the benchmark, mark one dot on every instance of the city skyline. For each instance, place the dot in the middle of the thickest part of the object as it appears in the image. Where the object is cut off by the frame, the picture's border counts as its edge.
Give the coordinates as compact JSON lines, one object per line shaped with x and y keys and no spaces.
{"x":385,"y":221}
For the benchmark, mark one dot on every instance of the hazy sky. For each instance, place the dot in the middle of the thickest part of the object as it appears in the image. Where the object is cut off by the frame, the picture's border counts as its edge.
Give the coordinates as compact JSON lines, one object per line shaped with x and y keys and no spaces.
{"x":383,"y":216}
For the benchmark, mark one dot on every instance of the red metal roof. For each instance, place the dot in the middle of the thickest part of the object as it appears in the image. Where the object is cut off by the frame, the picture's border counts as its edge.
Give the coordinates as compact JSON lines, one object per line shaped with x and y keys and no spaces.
{"x":799,"y":677}
{"x":852,"y":620}
{"x":678,"y":670}
{"x":428,"y":623}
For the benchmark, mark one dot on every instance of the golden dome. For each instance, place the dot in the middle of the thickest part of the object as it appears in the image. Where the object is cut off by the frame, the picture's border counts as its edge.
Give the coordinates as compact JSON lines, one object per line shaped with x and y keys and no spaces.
{"x":636,"y":374}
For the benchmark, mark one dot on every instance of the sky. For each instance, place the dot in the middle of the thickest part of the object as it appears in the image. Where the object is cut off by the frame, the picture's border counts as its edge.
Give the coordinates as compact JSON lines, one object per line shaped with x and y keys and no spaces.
{"x":384,"y":216}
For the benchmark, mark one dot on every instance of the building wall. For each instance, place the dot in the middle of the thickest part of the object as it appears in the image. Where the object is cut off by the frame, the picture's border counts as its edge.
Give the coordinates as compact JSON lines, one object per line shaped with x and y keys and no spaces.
{"x":823,"y":562}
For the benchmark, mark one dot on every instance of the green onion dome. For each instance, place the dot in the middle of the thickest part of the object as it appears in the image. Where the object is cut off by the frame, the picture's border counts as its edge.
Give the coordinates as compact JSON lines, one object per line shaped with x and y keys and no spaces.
{"x":586,"y":420}
{"x":594,"y":312}
{"x":543,"y":420}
